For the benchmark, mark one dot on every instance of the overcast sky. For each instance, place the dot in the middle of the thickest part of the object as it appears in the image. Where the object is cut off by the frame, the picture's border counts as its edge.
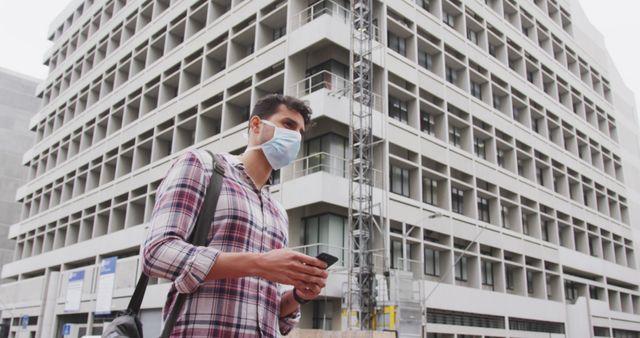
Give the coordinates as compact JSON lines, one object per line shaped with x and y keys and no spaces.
{"x":24,"y":25}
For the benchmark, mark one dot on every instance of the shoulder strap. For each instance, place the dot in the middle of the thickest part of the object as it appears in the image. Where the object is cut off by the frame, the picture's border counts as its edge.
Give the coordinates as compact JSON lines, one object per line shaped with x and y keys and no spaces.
{"x":214,"y":190}
{"x":199,"y":235}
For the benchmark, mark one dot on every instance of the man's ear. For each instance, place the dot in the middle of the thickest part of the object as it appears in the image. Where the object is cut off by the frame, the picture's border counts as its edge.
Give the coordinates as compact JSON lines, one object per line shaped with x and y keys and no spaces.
{"x":254,"y":122}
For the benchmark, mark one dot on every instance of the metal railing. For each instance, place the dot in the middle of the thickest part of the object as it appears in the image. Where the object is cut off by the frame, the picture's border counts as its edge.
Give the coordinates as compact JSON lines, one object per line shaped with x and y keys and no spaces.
{"x":325,"y":162}
{"x":331,"y":82}
{"x":314,"y":11}
{"x":330,"y":8}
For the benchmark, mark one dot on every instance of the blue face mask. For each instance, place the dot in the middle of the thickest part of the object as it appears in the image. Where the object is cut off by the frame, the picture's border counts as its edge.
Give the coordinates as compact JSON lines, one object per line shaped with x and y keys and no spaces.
{"x":282,"y":148}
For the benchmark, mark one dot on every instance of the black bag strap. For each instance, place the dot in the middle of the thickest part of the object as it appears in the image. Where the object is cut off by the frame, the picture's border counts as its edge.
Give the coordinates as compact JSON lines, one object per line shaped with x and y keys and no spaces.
{"x":198,"y":237}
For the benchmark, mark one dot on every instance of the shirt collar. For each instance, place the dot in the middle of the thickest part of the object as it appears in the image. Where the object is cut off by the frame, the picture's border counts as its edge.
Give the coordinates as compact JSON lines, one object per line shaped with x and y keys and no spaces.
{"x":236,"y":163}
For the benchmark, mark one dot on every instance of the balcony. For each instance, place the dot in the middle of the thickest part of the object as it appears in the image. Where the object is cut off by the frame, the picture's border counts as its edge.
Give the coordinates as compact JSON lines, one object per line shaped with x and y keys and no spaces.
{"x":328,"y":163}
{"x":331,"y":83}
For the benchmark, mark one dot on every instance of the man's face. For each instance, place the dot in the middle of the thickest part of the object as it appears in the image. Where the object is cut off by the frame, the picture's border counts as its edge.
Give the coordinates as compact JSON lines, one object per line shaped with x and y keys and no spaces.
{"x":283,"y":117}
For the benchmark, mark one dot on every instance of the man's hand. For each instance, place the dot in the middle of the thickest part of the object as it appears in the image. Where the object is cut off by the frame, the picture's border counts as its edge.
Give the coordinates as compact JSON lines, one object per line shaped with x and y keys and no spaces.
{"x":290,"y":267}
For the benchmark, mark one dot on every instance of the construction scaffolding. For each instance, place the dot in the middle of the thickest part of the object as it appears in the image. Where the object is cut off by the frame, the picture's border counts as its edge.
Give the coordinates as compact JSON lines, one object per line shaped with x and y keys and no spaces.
{"x":361,"y":219}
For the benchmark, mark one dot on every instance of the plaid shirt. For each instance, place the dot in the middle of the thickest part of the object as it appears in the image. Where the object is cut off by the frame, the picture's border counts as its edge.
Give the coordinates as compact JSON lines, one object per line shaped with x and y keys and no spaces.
{"x":247,"y":219}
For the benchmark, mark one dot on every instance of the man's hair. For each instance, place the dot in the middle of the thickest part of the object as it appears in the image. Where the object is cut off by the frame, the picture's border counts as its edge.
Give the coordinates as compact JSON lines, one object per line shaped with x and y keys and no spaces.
{"x":268,"y":105}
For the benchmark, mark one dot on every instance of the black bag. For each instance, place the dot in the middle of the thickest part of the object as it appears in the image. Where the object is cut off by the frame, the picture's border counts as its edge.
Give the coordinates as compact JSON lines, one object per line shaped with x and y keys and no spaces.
{"x":127,"y":324}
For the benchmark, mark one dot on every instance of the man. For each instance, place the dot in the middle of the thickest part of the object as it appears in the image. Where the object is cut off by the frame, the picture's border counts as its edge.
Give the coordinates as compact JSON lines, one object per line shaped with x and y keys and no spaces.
{"x":233,"y":282}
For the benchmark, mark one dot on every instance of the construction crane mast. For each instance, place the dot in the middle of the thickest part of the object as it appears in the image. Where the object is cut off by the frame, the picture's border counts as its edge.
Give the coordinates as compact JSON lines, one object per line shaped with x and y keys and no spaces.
{"x":361,"y":219}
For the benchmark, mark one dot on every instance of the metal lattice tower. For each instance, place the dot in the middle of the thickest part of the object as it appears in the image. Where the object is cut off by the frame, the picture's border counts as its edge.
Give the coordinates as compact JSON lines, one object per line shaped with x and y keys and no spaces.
{"x":361,"y":188}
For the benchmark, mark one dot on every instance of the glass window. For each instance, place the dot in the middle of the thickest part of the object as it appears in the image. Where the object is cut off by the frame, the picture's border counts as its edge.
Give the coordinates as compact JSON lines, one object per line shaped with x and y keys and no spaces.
{"x":399,"y":180}
{"x":461,"y":268}
{"x":425,"y":60}
{"x":530,"y":288}
{"x":509,"y":278}
{"x":525,"y":224}
{"x":504,"y":215}
{"x":457,"y":200}
{"x":431,"y":262}
{"x":483,"y":209}
{"x":451,"y":74}
{"x":398,"y":109}
{"x":487,"y":273}
{"x":430,"y":191}
{"x":327,"y":231}
{"x":476,"y":90}
{"x":479,"y":148}
{"x":396,"y":43}
{"x":326,"y":153}
{"x":396,"y":254}
{"x":322,"y":315}
{"x":454,"y":136}
{"x":472,"y":36}
{"x":449,"y":19}
{"x":427,"y":123}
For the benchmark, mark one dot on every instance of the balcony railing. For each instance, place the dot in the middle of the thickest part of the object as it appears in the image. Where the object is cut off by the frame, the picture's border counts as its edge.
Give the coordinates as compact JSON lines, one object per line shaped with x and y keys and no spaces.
{"x":330,"y":8}
{"x":314,"y":11}
{"x":325,"y":162}
{"x":331,"y":82}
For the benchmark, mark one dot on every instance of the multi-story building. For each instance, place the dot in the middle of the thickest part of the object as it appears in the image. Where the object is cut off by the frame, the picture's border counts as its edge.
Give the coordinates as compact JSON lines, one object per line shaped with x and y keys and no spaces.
{"x":505,"y":119}
{"x":17,"y":106}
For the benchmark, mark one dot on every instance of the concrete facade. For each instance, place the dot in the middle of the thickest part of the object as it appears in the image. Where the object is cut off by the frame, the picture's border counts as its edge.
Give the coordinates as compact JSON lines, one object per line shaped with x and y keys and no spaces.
{"x":18,"y":105}
{"x":506,"y":118}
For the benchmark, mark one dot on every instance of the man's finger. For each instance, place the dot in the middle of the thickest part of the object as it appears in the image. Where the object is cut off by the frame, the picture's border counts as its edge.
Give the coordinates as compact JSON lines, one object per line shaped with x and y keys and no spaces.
{"x":311,"y":261}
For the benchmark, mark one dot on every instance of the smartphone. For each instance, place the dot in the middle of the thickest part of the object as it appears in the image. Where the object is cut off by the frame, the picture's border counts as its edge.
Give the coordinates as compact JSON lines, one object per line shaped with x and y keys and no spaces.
{"x":327,"y":258}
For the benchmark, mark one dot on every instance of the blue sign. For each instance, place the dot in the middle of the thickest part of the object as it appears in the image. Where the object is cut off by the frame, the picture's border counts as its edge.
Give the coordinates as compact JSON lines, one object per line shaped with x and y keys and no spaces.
{"x":76,"y":276}
{"x":108,"y":265}
{"x":66,"y":329}
{"x":24,"y":321}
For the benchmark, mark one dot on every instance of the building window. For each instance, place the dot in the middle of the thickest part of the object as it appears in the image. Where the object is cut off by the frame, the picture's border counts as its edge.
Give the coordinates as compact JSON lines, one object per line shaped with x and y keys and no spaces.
{"x":570,"y":291}
{"x":396,"y":254}
{"x":476,"y":90}
{"x":500,"y":158}
{"x":427,"y":122}
{"x":279,"y":32}
{"x":535,"y":125}
{"x":530,"y":288}
{"x":492,"y":50}
{"x":425,"y":60}
{"x":487,"y":273}
{"x":497,"y":101}
{"x":430,"y":191}
{"x":449,"y":19}
{"x":479,"y":148}
{"x":396,"y":43}
{"x":504,"y":215}
{"x":525,"y":224}
{"x":520,"y":165}
{"x":400,"y":180}
{"x":483,"y":209}
{"x":461,"y":268}
{"x":545,"y":230}
{"x":530,"y":76}
{"x":593,"y":292}
{"x":457,"y":200}
{"x":509,"y":278}
{"x":326,"y":153}
{"x":322,"y":313}
{"x":424,"y":4}
{"x":540,"y":176}
{"x":451,"y":75}
{"x":327,"y":232}
{"x":398,"y":109}
{"x":454,"y":136}
{"x":431,"y":262}
{"x":472,"y":36}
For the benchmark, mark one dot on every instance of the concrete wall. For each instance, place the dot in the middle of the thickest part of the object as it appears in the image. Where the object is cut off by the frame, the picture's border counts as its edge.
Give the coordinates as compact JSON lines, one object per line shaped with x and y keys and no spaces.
{"x":17,"y":105}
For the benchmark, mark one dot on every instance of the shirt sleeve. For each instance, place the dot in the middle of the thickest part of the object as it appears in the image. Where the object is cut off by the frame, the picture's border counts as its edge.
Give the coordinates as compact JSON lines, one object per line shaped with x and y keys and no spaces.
{"x":287,"y":323}
{"x":166,"y":253}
